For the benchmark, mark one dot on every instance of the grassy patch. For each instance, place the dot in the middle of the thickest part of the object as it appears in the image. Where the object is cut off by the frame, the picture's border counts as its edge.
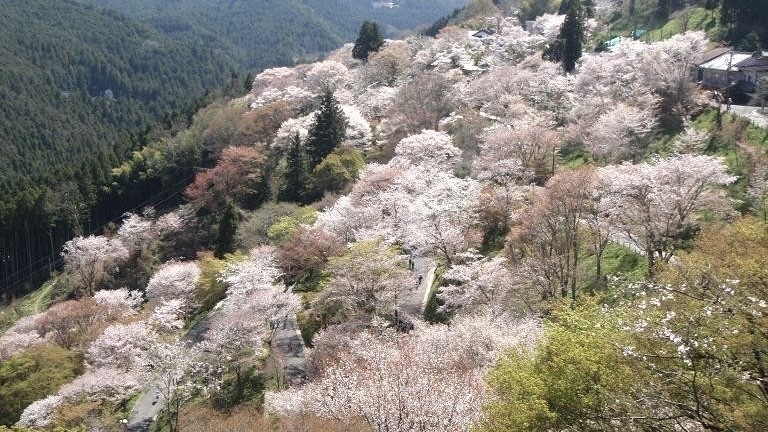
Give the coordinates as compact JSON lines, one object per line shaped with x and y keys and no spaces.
{"x":690,"y":19}
{"x":56,"y":289}
{"x":617,"y":261}
{"x":34,"y":374}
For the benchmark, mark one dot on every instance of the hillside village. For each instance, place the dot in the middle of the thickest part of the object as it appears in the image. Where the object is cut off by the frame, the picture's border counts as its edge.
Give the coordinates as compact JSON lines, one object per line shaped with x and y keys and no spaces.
{"x":490,"y":244}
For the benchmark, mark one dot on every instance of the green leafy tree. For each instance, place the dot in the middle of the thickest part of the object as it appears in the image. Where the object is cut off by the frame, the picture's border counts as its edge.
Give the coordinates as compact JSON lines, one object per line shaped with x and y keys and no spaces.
{"x":225,"y":238}
{"x":368,"y":40}
{"x":337,"y":170}
{"x":751,"y":42}
{"x":576,"y":380}
{"x":328,"y":131}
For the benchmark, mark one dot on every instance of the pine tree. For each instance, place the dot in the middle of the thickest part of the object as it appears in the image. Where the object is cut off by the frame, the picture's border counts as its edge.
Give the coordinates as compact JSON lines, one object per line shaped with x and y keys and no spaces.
{"x":225,"y":238}
{"x":368,"y":40}
{"x":328,"y":131}
{"x":296,"y":177}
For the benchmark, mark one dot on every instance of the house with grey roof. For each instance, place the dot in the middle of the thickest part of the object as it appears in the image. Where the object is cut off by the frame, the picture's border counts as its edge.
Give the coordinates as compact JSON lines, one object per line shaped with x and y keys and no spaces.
{"x":722,"y":67}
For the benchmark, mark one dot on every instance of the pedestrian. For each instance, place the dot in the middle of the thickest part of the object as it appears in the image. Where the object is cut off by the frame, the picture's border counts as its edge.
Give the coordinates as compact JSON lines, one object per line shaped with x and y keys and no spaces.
{"x":420,"y":279}
{"x":730,"y":101}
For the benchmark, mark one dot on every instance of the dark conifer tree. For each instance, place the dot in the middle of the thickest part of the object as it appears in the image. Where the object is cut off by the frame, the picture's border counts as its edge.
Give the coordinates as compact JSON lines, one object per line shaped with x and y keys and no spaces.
{"x":225,"y":238}
{"x":568,"y":45}
{"x":368,"y":40}
{"x":328,"y":132}
{"x":296,"y":177}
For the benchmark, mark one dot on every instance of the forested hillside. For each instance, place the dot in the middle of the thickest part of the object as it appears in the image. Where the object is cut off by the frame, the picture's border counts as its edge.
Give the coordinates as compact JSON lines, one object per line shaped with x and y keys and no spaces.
{"x":82,"y":82}
{"x":262,"y":33}
{"x":74,"y":82}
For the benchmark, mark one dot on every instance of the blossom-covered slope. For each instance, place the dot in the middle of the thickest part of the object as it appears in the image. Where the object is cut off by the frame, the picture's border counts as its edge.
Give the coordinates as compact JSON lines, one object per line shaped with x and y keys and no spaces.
{"x":574,"y":291}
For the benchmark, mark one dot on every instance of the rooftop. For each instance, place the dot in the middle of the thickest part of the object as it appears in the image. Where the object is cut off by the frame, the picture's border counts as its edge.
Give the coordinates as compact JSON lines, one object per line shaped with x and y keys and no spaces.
{"x":726,"y":61}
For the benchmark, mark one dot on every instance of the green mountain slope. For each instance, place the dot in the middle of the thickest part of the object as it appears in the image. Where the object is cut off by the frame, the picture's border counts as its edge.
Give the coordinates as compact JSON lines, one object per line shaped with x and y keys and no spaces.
{"x":262,"y":33}
{"x":74,"y":81}
{"x":258,"y":33}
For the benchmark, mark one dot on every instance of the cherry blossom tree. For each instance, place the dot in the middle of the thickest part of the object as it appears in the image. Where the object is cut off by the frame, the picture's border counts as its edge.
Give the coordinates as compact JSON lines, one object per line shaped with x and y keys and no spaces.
{"x":327,"y":76}
{"x":173,"y":367}
{"x":122,"y":346}
{"x":549,"y":235}
{"x":520,"y":154}
{"x":169,"y":315}
{"x":306,"y":253}
{"x":691,"y":140}
{"x":174,"y":280}
{"x":429,"y":150}
{"x":102,"y":383}
{"x":386,"y":66}
{"x":257,"y":303}
{"x":92,"y":259}
{"x":21,"y":335}
{"x":479,"y":283}
{"x":443,"y":217}
{"x":237,"y":175}
{"x":667,"y":65}
{"x":429,"y":380}
{"x":73,"y":323}
{"x":39,"y":414}
{"x":653,"y":206}
{"x":414,"y":201}
{"x":364,"y":281}
{"x":617,"y":133}
{"x":138,"y":232}
{"x":423,"y":102}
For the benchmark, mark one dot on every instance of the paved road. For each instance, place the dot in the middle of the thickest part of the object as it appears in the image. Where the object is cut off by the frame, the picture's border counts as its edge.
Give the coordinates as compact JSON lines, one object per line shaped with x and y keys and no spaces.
{"x":413,"y":297}
{"x":754,"y":114}
{"x":289,"y":344}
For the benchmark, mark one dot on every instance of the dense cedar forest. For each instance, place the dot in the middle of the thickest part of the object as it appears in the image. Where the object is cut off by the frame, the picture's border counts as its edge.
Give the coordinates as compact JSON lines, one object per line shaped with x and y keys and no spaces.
{"x":82,"y":81}
{"x":75,"y":83}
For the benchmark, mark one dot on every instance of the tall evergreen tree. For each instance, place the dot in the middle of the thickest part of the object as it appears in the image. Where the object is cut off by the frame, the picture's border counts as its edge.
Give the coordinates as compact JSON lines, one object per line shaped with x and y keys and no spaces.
{"x":225,"y":238}
{"x":571,"y":34}
{"x":328,"y":132}
{"x":296,"y":177}
{"x":368,"y":40}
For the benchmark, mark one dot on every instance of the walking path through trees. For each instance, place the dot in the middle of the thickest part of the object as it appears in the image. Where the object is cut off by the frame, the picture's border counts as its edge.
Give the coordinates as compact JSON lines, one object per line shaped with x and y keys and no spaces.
{"x":288,"y":345}
{"x":412,"y":298}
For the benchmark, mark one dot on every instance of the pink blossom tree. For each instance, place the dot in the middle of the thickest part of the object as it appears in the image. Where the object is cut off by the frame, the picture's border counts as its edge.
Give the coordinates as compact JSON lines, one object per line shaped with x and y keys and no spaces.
{"x":174,"y":280}
{"x":617,"y":133}
{"x":429,"y":380}
{"x":479,"y":283}
{"x":91,"y":260}
{"x":39,"y":414}
{"x":364,"y":282}
{"x":653,"y":206}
